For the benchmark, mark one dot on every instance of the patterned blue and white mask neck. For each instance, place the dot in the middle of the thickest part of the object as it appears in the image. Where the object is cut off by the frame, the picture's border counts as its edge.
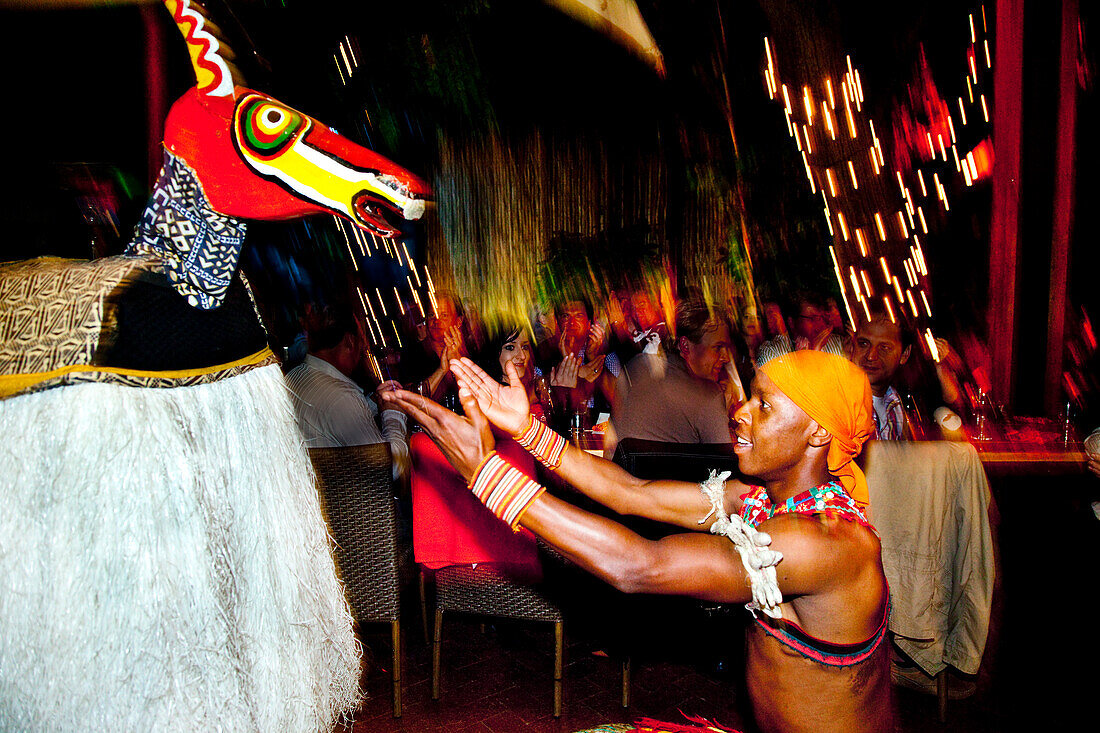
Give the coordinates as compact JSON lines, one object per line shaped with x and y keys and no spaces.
{"x":198,"y":246}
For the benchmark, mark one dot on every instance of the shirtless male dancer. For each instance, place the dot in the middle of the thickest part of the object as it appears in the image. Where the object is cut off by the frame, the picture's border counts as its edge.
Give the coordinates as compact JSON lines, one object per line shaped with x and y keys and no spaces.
{"x":815,"y":659}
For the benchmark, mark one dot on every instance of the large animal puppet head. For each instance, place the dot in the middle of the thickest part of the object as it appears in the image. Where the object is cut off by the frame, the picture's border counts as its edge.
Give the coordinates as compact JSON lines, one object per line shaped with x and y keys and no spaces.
{"x":257,"y":158}
{"x":233,"y":154}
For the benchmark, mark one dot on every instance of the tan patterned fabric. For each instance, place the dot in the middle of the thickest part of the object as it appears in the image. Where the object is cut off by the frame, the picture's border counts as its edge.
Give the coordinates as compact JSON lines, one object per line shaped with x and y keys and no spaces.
{"x":52,"y":310}
{"x":53,"y":316}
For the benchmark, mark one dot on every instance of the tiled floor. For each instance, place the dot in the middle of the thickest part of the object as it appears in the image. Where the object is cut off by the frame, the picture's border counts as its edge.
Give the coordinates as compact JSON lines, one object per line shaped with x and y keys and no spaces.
{"x":499,"y":678}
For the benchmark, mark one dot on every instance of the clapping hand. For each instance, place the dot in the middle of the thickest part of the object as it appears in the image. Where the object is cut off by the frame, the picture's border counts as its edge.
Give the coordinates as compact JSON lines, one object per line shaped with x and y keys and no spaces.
{"x":453,"y":346}
{"x":596,"y":335}
{"x":947,"y":356}
{"x":565,"y":373}
{"x":465,"y":441}
{"x":567,"y":344}
{"x":592,"y":369}
{"x":506,"y":406}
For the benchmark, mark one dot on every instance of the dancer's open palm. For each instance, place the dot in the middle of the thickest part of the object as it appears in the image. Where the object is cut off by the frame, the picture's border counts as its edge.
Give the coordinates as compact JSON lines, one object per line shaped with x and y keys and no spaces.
{"x":506,"y":406}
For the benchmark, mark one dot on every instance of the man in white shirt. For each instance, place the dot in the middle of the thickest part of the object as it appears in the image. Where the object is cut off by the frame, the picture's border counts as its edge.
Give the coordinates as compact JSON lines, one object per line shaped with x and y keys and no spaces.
{"x":880,"y":347}
{"x":678,"y":398}
{"x":331,"y":408}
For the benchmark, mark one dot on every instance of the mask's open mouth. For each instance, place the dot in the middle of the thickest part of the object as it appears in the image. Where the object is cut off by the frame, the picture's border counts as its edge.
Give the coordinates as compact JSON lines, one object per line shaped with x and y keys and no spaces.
{"x":378,"y":214}
{"x":371,"y":207}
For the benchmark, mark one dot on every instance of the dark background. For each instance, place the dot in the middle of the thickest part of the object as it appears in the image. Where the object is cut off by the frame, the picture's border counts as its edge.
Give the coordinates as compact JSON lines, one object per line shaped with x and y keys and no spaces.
{"x":75,"y":107}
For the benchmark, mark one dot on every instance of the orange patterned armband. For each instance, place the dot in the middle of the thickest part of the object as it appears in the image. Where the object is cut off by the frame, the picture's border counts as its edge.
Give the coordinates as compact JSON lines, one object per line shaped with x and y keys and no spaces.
{"x":542,"y":442}
{"x":504,"y":489}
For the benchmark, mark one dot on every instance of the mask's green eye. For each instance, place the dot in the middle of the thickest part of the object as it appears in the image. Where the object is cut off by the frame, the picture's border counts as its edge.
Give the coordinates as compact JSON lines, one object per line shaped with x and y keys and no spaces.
{"x":267,"y":127}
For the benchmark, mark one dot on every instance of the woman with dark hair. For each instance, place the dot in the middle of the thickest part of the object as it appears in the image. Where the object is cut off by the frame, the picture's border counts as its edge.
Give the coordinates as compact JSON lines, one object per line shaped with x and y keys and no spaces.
{"x":449,"y":524}
{"x":513,"y":344}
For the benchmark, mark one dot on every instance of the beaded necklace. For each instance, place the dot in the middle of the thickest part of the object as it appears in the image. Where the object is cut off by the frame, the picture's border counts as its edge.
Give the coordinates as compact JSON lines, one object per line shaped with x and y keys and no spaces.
{"x":758,"y":506}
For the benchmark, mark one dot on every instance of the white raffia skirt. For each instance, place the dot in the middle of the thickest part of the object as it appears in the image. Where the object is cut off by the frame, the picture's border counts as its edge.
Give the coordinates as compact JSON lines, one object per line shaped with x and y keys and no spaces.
{"x":164,"y":564}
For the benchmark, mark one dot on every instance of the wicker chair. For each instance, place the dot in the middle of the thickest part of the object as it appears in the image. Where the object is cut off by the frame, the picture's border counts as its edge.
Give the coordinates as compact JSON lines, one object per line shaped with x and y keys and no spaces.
{"x":485,"y":591}
{"x":355,"y":487}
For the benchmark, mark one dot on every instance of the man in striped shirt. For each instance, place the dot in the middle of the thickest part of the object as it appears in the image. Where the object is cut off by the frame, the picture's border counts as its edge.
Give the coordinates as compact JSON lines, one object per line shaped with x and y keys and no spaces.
{"x":810,"y":328}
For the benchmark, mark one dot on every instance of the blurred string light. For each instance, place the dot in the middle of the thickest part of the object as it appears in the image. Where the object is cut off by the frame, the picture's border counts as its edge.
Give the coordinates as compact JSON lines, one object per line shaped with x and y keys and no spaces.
{"x":386,"y":311}
{"x":895,"y":249}
{"x":345,"y":59}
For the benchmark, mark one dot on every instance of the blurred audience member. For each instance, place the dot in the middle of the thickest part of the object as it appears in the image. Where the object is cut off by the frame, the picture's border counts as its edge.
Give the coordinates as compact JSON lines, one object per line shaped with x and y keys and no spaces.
{"x":774,"y":322}
{"x":648,"y":330}
{"x":332,"y":410}
{"x":810,"y":328}
{"x":739,"y":374}
{"x":882,"y":347}
{"x":752,"y":332}
{"x":619,"y":325}
{"x":677,"y":398}
{"x":834,"y":316}
{"x":879,"y":347}
{"x":584,"y":378}
{"x":545,"y":327}
{"x":427,"y":364}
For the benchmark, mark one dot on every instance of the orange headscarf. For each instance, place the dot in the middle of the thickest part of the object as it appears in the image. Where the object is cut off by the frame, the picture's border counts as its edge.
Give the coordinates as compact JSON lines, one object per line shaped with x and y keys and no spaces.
{"x":836,"y":394}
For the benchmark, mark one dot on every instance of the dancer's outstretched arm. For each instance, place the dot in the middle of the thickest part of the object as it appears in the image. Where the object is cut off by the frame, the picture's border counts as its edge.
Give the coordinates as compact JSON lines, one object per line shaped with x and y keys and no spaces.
{"x":674,"y":502}
{"x":695,"y":564}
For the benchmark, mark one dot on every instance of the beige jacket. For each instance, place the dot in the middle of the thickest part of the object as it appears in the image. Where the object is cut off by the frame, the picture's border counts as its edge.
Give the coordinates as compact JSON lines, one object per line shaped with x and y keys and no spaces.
{"x":930,"y":502}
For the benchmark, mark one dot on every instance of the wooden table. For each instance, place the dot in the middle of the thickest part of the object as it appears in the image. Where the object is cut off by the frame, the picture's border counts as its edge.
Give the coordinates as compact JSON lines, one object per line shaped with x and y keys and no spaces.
{"x":1017,"y":458}
{"x":999,"y":457}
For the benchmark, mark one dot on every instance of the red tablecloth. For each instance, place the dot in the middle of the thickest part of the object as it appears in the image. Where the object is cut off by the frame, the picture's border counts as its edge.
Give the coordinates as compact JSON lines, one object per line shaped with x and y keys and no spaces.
{"x":451,"y":527}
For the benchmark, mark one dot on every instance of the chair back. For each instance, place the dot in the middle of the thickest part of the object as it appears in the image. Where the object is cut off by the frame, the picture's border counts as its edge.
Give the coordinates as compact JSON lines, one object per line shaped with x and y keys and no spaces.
{"x":652,"y":459}
{"x":930,"y":503}
{"x":356,"y":490}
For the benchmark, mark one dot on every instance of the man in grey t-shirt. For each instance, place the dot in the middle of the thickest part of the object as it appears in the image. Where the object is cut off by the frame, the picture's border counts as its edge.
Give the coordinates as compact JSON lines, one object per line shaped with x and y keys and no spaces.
{"x":677,"y":399}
